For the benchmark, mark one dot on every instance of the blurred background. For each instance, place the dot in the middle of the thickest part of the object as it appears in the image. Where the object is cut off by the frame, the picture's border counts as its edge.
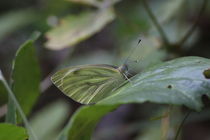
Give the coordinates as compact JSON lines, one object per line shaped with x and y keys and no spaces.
{"x":75,"y":32}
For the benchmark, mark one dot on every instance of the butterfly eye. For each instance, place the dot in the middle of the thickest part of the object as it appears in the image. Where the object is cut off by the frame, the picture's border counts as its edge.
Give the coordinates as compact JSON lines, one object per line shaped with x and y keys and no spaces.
{"x":123,"y":68}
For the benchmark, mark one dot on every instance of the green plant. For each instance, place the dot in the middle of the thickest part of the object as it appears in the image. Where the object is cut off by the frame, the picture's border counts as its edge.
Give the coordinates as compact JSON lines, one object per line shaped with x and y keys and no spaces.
{"x":182,"y":81}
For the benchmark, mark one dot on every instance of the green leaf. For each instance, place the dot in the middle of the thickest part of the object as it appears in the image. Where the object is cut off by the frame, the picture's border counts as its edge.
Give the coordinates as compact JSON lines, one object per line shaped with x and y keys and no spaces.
{"x":12,"y":132}
{"x":76,"y":28}
{"x":17,"y":105}
{"x":15,"y":20}
{"x":26,"y":76}
{"x":54,"y":116}
{"x":179,"y":81}
{"x":83,"y":122}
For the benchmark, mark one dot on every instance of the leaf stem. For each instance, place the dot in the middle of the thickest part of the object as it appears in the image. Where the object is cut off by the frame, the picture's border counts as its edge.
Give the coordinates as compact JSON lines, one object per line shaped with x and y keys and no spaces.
{"x":181,"y":125}
{"x":192,"y":29}
{"x":11,"y":94}
{"x":155,"y":22}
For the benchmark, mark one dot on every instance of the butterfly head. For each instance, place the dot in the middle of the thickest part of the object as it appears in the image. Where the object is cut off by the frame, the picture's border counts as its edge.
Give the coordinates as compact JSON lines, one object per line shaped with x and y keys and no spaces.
{"x":123,"y":68}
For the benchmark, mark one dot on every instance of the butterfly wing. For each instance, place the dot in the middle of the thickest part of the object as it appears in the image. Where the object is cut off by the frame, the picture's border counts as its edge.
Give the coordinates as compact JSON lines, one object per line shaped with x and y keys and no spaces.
{"x":88,"y":83}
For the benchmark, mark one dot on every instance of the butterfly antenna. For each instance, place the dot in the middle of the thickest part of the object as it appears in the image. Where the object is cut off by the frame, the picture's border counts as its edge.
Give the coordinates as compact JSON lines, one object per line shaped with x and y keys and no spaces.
{"x":132,"y":51}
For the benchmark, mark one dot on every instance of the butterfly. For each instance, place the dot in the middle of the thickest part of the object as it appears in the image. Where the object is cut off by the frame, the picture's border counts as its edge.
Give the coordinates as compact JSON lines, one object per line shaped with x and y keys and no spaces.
{"x":89,"y":84}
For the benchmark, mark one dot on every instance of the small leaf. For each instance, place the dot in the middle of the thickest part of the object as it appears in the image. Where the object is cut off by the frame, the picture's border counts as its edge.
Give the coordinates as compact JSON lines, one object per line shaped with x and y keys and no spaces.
{"x":83,"y":122}
{"x":26,"y":76}
{"x":12,"y":132}
{"x":74,"y":29}
{"x":185,"y":75}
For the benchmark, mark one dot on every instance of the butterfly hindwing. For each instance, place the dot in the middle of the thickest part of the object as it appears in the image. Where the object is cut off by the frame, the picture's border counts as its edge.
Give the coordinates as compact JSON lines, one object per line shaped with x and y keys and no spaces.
{"x":88,"y":83}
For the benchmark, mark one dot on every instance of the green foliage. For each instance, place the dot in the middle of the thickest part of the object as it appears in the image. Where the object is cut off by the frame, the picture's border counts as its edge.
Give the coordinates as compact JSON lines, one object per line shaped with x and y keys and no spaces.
{"x":76,"y":28}
{"x":15,"y":103}
{"x":26,"y":76}
{"x":12,"y":132}
{"x":179,"y":81}
{"x":84,"y":121}
{"x":168,"y":31}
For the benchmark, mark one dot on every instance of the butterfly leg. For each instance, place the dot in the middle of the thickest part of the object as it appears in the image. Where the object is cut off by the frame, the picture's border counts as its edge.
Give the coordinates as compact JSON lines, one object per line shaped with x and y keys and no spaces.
{"x":128,"y":79}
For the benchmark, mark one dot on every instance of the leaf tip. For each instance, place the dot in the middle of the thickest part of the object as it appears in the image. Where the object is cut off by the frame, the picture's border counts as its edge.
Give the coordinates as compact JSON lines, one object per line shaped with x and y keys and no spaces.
{"x":35,"y":35}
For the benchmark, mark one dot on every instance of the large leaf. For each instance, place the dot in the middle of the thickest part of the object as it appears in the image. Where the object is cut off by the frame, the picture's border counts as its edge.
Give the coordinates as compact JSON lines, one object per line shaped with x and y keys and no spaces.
{"x":12,"y":132}
{"x":180,"y":82}
{"x":83,"y":122}
{"x":26,"y":76}
{"x":75,"y":28}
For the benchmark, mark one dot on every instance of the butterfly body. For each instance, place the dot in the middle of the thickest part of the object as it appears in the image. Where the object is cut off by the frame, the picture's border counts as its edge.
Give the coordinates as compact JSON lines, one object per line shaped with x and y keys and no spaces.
{"x":89,"y":83}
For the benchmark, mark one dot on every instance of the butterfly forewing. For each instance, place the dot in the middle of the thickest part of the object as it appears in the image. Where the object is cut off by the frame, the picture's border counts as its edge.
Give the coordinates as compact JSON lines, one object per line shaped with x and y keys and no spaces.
{"x":88,"y":83}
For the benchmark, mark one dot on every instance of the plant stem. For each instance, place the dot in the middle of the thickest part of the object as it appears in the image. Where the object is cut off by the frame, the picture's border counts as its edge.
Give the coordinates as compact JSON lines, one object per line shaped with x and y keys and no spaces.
{"x":11,"y":112}
{"x":12,"y":96}
{"x":192,"y":29}
{"x":181,"y":125}
{"x":155,"y":22}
